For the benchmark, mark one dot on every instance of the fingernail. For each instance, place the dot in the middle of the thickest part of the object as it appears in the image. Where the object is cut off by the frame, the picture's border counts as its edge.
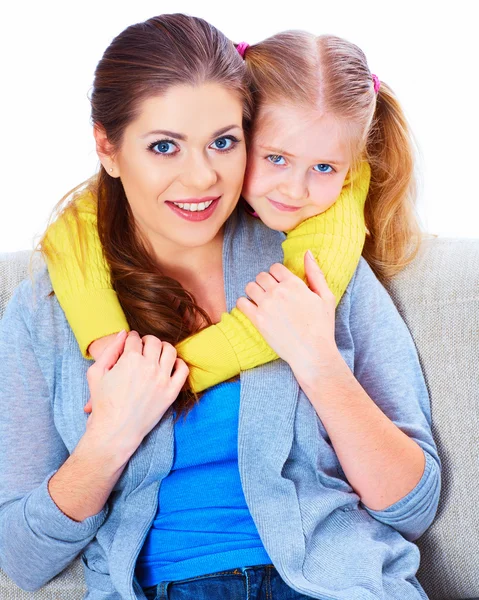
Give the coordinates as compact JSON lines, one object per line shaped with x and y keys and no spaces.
{"x":310,"y":254}
{"x":121,"y":333}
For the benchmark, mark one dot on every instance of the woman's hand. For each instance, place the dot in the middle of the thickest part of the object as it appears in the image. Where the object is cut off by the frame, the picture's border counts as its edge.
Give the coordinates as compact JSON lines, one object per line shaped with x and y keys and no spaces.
{"x":296,"y":321}
{"x":132,"y":385}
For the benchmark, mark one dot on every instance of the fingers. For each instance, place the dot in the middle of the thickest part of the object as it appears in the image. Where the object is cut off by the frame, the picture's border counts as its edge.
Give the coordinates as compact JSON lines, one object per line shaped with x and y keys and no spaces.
{"x":316,"y":279}
{"x":254,"y":291}
{"x":280,"y":272}
{"x":152,"y":348}
{"x":111,"y":354}
{"x":88,"y":407}
{"x":247,"y":308}
{"x":266,"y":281}
{"x":179,"y":376}
{"x":133,"y":343}
{"x":167,"y":359}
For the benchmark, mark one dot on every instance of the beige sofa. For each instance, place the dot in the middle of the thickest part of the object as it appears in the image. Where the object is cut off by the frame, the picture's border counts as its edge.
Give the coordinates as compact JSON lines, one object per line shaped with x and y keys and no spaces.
{"x":438,"y":296}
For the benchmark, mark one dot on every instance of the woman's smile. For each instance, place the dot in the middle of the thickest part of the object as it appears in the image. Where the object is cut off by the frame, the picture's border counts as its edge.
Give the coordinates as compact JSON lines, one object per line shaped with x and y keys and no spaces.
{"x":195,"y":209}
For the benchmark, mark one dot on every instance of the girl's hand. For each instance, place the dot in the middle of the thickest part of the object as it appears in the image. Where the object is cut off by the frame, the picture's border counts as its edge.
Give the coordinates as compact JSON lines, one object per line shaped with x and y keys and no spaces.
{"x":296,"y":321}
{"x":132,"y":385}
{"x":96,"y":348}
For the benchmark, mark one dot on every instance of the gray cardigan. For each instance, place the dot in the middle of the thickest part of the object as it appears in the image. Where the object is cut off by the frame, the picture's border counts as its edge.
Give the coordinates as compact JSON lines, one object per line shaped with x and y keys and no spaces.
{"x":320,"y":537}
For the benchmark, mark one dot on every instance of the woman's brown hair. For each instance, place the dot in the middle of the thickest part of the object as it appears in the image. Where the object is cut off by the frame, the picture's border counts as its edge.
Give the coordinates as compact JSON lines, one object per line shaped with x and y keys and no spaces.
{"x":331,"y":75}
{"x":146,"y":60}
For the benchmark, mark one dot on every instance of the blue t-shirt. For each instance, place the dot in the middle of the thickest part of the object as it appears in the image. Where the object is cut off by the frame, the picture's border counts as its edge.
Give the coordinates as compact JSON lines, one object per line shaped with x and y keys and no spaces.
{"x":203,"y":524}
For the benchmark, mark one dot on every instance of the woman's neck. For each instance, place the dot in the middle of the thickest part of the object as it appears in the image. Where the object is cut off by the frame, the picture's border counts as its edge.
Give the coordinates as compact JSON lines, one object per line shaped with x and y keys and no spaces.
{"x":199,"y":270}
{"x":190,"y":263}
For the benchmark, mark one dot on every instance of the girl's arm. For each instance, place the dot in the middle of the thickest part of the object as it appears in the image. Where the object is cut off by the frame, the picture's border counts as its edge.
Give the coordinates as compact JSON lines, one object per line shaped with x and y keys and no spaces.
{"x":80,"y":276}
{"x":219,"y":352}
{"x":377,"y":418}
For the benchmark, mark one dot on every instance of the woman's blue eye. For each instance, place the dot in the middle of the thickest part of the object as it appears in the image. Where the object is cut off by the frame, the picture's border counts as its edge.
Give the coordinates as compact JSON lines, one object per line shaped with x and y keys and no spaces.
{"x":276,"y":159}
{"x":323,"y":168}
{"x":163,"y":147}
{"x":223,"y":143}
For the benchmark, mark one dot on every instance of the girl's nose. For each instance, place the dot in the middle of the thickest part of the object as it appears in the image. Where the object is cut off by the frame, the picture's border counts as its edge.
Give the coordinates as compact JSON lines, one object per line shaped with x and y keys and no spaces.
{"x":294,"y":188}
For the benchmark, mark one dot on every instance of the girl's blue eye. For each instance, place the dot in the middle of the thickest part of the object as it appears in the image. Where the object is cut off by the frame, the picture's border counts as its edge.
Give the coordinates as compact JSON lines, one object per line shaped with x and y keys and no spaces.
{"x":224,"y":143}
{"x":276,"y":159}
{"x":163,"y":147}
{"x":323,"y":168}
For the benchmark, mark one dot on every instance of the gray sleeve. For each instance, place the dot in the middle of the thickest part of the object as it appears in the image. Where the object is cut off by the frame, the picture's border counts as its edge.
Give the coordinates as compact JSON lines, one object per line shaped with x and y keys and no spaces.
{"x":37,"y":540}
{"x":387,"y":366}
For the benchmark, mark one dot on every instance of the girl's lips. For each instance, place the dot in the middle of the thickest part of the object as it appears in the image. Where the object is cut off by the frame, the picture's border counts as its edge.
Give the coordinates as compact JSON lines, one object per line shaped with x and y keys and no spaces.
{"x":284,"y":207}
{"x":188,"y":215}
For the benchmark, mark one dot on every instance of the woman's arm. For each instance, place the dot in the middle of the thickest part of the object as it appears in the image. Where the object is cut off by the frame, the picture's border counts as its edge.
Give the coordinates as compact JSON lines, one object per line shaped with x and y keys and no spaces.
{"x":378,"y":419}
{"x":52,"y":504}
{"x":37,"y":540}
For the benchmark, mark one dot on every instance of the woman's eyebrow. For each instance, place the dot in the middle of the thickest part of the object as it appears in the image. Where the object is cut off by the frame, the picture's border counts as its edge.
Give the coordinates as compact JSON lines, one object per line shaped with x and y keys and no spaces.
{"x":184,"y":138}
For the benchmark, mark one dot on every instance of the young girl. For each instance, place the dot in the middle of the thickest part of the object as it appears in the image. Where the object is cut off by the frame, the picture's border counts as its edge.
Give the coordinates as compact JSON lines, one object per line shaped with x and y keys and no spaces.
{"x":331,"y":222}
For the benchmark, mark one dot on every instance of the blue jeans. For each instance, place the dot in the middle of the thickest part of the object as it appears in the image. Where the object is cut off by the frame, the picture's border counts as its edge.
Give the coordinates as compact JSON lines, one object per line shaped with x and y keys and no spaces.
{"x":260,"y":582}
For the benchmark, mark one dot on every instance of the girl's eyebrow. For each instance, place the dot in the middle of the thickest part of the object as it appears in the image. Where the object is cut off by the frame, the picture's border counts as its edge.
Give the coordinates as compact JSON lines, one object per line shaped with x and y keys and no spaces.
{"x":277,"y":150}
{"x":183,"y":137}
{"x":284,"y":153}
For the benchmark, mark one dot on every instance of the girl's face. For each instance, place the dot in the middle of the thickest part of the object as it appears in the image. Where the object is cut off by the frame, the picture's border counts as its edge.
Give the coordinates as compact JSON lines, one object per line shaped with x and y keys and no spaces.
{"x":182,"y":163}
{"x":297,"y":164}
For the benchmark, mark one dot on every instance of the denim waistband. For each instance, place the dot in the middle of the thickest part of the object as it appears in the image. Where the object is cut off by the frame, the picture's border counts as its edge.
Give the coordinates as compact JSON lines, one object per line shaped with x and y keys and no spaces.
{"x":255,"y":576}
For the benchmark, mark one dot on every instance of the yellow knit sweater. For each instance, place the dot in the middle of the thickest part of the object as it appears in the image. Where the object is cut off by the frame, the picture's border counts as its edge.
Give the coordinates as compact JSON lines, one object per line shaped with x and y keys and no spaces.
{"x":81,"y":280}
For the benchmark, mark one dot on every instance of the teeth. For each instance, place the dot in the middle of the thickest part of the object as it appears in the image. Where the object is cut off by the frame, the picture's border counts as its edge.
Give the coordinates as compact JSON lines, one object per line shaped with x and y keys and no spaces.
{"x":194,"y":207}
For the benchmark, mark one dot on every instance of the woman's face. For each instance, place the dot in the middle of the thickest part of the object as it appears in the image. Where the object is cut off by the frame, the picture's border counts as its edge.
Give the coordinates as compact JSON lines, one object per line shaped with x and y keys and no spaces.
{"x":182,"y":163}
{"x":297,"y":164}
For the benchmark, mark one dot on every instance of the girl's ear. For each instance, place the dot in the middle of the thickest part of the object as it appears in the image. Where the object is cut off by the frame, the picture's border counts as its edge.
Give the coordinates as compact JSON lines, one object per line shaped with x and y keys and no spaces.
{"x":104,"y":149}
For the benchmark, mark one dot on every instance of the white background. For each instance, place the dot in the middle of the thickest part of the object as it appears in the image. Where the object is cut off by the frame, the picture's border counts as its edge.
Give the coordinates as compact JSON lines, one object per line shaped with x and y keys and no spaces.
{"x":427,"y":51}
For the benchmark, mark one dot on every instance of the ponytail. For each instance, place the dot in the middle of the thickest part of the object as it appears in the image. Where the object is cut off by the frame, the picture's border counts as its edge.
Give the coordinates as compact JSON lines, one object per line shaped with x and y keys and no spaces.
{"x":394,"y":234}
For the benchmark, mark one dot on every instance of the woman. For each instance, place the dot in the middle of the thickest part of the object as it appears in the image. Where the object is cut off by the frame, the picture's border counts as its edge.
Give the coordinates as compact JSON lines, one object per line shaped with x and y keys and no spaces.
{"x":93,"y":484}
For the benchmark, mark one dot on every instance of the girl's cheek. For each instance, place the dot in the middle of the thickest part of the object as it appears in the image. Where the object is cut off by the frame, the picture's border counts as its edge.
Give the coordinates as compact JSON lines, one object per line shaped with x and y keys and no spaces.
{"x":254,"y":181}
{"x":326,"y":195}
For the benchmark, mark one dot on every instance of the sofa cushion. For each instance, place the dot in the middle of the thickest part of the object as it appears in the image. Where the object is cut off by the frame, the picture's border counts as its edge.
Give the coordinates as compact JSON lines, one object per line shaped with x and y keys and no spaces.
{"x":438,"y":297}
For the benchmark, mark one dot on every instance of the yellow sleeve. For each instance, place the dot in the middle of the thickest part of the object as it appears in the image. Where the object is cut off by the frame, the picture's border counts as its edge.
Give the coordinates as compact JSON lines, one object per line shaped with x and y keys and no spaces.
{"x":86,"y":296}
{"x":221,"y":351}
{"x":336,"y":239}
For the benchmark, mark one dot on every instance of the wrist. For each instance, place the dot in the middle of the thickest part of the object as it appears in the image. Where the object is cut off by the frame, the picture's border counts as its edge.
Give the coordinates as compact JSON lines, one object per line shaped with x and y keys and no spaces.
{"x":110,"y":453}
{"x":310,"y":369}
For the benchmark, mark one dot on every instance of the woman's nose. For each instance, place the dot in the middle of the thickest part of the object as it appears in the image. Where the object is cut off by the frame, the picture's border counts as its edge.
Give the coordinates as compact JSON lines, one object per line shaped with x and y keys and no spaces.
{"x":199,"y":173}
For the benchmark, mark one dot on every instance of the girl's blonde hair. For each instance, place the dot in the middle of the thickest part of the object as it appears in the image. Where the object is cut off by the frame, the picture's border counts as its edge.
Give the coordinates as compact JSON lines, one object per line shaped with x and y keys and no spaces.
{"x":331,"y":75}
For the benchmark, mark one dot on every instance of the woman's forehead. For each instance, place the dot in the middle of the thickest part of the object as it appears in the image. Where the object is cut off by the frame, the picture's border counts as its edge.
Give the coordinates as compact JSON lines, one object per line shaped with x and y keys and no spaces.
{"x":191,"y":111}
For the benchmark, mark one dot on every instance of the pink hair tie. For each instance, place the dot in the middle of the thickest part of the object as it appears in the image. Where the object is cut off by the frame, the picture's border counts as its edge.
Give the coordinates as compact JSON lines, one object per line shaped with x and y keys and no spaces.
{"x":242,"y":47}
{"x":377,"y":83}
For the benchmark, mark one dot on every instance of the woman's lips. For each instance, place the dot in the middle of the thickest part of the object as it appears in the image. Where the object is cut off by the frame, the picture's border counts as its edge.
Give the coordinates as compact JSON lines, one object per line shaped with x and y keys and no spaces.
{"x":189,"y":215}
{"x":284,"y":207}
